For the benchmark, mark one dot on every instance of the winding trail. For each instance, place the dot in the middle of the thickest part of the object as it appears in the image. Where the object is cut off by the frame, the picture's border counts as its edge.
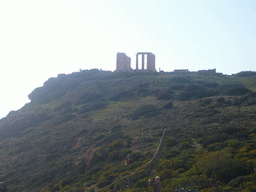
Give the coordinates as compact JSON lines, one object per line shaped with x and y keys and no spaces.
{"x":152,"y":162}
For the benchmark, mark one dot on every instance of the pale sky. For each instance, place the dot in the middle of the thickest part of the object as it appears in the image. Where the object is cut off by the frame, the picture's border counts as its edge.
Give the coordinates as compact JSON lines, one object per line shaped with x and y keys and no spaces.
{"x":40,"y":39}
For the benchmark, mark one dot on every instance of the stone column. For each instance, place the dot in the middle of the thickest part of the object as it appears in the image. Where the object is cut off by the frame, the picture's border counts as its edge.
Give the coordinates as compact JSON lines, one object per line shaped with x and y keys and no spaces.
{"x":117,"y":61}
{"x":137,"y":62}
{"x":143,"y":61}
{"x":151,"y":62}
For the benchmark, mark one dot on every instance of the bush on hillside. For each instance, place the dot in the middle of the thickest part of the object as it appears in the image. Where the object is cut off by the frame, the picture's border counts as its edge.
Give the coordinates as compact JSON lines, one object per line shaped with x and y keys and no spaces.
{"x":205,"y":102}
{"x":233,"y":89}
{"x":142,"y":86}
{"x":171,"y":142}
{"x":237,"y":181}
{"x":92,"y":106}
{"x":154,"y":92}
{"x":116,"y":145}
{"x":166,"y":95}
{"x":181,"y":79}
{"x":246,"y":73}
{"x":168,"y":105}
{"x":124,"y":152}
{"x":89,"y":97}
{"x":241,"y":135}
{"x":122,"y":95}
{"x":143,"y":92}
{"x":251,"y":94}
{"x":145,"y":111}
{"x":194,"y":87}
{"x":141,"y":89}
{"x":214,"y":139}
{"x":220,"y":100}
{"x":213,"y":85}
{"x":63,"y":119}
{"x":19,"y":125}
{"x":63,"y":106}
{"x":190,"y":95}
{"x":177,"y":87}
{"x":239,"y":101}
{"x":251,"y":103}
{"x":135,"y":156}
{"x":195,"y":91}
{"x":229,"y":130}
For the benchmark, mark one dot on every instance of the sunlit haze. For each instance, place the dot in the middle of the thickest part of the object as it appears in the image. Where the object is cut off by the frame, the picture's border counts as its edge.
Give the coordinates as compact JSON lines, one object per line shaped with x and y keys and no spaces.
{"x":41,"y":39}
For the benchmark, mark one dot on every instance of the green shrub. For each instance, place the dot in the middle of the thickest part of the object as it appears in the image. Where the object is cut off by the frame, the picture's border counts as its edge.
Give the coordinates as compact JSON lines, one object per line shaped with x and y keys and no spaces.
{"x":94,"y":170}
{"x":166,"y":95}
{"x":114,"y":156}
{"x":122,"y":95}
{"x":214,"y":139}
{"x":168,"y":105}
{"x":181,"y":79}
{"x":141,"y":183}
{"x":145,"y":111}
{"x":172,"y":153}
{"x":116,"y":145}
{"x":89,"y":97}
{"x":136,"y":156}
{"x":124,"y":152}
{"x":63,"y":119}
{"x":233,"y":89}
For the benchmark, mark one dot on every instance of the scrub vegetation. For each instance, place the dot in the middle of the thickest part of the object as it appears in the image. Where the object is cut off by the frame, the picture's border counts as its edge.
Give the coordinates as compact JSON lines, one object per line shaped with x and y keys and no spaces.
{"x":86,"y":130}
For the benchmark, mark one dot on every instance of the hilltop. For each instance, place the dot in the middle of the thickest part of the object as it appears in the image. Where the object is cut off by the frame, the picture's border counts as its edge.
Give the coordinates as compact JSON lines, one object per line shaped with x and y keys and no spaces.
{"x":85,"y":130}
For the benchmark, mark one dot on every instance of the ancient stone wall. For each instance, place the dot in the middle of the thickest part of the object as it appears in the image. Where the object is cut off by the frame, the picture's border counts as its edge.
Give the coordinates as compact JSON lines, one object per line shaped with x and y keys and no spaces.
{"x":207,"y":72}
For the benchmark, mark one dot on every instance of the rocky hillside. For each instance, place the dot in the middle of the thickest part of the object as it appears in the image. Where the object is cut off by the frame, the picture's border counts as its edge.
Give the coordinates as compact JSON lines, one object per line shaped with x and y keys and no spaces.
{"x":85,"y":130}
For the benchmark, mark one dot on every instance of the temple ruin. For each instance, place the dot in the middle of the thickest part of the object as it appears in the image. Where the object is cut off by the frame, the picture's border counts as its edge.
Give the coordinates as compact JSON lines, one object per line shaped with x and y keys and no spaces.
{"x":123,"y":62}
{"x":150,"y":61}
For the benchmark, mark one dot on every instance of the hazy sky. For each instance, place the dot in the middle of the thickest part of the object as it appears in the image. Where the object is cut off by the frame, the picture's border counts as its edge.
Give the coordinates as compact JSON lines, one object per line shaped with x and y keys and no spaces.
{"x":40,"y":39}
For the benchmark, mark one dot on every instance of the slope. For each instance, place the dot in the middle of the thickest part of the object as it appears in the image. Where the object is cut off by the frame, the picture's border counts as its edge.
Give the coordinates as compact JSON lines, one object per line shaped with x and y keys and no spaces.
{"x":79,"y":129}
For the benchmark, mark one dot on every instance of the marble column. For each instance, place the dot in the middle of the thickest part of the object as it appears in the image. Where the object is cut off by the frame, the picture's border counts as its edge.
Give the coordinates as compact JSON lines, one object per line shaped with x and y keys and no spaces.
{"x":143,"y":61}
{"x":137,"y":67}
